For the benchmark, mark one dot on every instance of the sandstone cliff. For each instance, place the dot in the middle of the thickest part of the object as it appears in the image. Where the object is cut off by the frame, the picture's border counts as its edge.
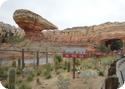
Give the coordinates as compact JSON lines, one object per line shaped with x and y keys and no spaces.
{"x":7,"y":31}
{"x":88,"y":35}
{"x":32,"y":23}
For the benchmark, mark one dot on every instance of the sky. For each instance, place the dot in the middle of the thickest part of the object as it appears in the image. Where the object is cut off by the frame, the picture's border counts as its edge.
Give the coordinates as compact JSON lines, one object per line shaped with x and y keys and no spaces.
{"x":67,"y":13}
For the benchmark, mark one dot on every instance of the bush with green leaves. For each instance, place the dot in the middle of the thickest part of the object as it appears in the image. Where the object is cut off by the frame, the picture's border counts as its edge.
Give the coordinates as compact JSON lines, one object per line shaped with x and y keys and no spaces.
{"x":3,"y":72}
{"x":106,"y":60}
{"x":38,"y":72}
{"x":14,"y":39}
{"x":103,"y":48}
{"x":101,"y":72}
{"x":14,"y":64}
{"x":30,"y":77}
{"x":57,"y":62}
{"x":47,"y":71}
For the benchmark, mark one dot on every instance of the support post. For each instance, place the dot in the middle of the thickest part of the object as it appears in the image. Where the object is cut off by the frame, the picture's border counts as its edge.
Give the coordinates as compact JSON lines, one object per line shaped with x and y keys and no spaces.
{"x":74,"y":59}
{"x":23,"y":63}
{"x":37,"y":57}
{"x":68,"y":65}
{"x":122,"y":76}
{"x":46,"y":56}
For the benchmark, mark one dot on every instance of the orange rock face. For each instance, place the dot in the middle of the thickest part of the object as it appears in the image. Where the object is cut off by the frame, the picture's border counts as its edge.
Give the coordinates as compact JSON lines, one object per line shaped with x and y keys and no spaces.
{"x":88,"y":36}
{"x":32,"y":23}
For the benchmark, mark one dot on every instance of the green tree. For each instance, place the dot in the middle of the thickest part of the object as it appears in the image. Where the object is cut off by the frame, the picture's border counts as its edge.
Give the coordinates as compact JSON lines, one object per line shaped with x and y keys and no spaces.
{"x":117,"y":44}
{"x":103,"y":48}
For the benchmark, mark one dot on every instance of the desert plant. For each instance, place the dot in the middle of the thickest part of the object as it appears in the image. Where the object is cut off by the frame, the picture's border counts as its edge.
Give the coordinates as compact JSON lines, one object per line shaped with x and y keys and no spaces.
{"x":100,"y":72}
{"x":38,"y":81}
{"x":14,"y":64}
{"x":19,"y":63}
{"x":57,"y":62}
{"x":12,"y":78}
{"x":47,"y":71}
{"x":3,"y":72}
{"x":38,"y":73}
{"x":103,"y":48}
{"x":67,"y":66}
{"x":14,"y":39}
{"x":30,"y":78}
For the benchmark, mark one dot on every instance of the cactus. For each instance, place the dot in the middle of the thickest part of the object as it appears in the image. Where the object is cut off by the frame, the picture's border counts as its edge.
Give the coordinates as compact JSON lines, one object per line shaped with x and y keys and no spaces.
{"x":12,"y":78}
{"x":19,"y":63}
{"x":68,"y":67}
{"x":23,"y":63}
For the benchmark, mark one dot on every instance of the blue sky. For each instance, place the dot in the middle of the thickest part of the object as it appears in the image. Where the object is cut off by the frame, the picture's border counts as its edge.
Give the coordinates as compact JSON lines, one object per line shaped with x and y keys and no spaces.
{"x":68,"y":13}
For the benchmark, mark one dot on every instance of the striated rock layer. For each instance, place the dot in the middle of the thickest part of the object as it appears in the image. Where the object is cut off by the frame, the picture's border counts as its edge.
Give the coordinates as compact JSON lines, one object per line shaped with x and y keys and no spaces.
{"x":32,"y":23}
{"x":88,"y":35}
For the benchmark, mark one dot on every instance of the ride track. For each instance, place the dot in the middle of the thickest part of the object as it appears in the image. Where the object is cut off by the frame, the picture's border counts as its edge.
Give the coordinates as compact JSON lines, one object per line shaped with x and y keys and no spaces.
{"x":116,"y":74}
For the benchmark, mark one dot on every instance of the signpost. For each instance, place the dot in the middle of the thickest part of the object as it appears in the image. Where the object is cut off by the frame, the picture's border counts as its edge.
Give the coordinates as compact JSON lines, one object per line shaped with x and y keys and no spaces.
{"x":74,"y":53}
{"x":74,"y":60}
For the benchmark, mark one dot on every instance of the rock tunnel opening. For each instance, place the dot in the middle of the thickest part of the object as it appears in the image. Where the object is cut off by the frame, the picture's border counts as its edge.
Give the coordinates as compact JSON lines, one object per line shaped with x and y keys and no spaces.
{"x":114,"y":44}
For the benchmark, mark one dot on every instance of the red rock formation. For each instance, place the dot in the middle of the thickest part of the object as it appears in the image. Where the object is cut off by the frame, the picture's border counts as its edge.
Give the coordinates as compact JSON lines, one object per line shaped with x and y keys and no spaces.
{"x":32,"y":23}
{"x":92,"y":35}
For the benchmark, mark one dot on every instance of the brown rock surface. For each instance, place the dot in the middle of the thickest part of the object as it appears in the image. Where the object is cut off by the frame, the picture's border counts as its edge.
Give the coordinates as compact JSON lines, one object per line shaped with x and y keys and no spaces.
{"x":7,"y":31}
{"x":32,"y":23}
{"x":88,"y":35}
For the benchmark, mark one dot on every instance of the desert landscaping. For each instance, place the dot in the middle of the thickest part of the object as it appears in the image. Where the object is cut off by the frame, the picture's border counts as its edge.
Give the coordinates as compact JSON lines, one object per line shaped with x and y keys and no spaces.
{"x":33,"y":55}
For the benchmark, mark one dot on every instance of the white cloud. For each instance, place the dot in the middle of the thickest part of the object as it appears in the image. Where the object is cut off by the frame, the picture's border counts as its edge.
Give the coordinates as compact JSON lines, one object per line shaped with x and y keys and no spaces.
{"x":68,"y":13}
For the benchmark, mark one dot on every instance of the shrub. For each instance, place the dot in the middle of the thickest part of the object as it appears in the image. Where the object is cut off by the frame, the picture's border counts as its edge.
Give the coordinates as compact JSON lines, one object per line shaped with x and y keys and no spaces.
{"x":24,"y":86}
{"x":14,"y":64}
{"x":14,"y":39}
{"x":100,"y":72}
{"x":103,"y":48}
{"x":19,"y":71}
{"x":3,"y":72}
{"x":38,"y":81}
{"x":28,"y":71}
{"x":30,"y":78}
{"x":38,"y":72}
{"x":47,"y":71}
{"x":57,"y":62}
